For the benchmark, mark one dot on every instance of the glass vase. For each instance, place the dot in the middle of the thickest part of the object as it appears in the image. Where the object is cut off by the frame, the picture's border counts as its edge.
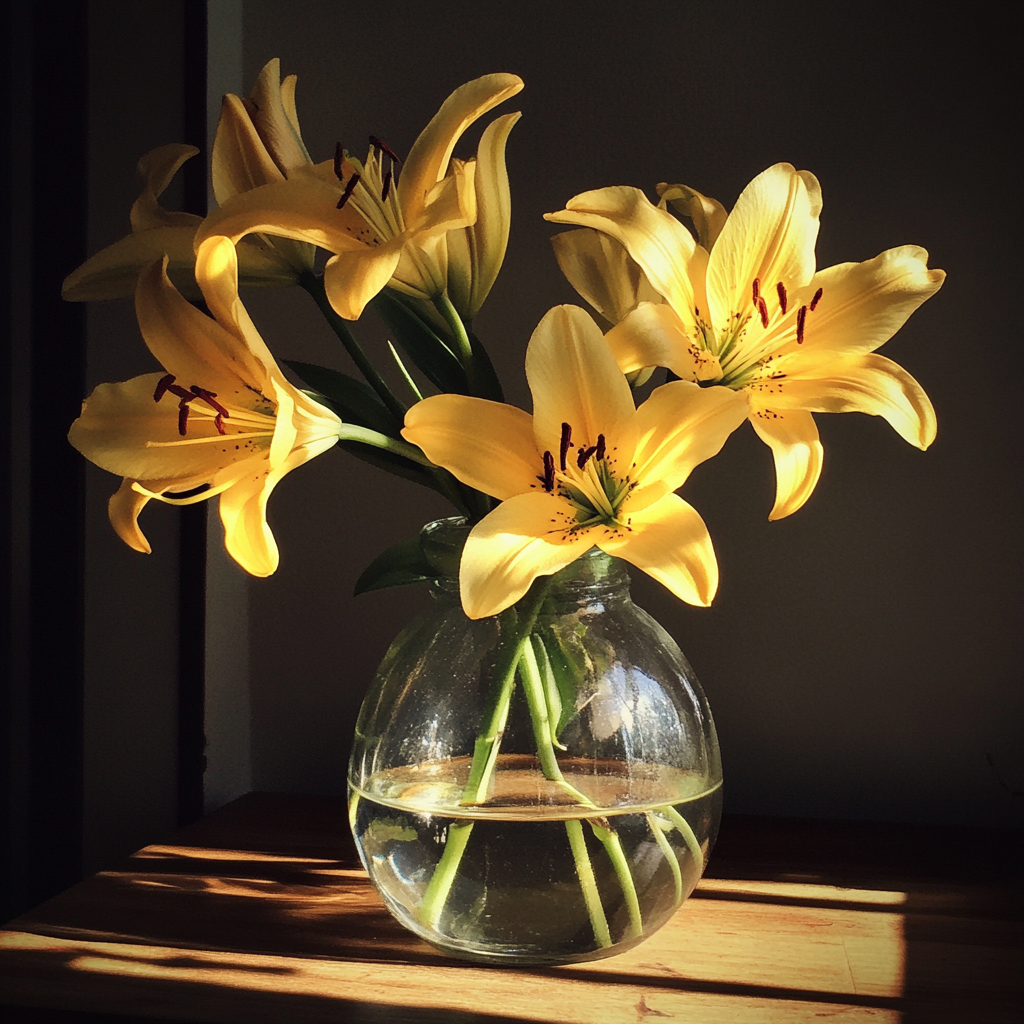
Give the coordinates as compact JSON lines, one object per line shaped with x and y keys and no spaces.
{"x":538,"y":787}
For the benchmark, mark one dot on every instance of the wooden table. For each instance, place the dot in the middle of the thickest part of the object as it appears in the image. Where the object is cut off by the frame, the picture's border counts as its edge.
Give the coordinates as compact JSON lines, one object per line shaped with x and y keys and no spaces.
{"x":260,"y":913}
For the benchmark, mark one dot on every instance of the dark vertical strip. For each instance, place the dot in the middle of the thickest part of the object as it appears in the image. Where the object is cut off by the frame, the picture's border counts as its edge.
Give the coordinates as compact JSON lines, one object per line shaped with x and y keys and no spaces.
{"x":192,"y":556}
{"x":57,"y":475}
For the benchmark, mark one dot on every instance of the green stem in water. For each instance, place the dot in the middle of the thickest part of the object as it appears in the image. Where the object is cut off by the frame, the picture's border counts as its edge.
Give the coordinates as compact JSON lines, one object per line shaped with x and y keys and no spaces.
{"x":592,"y":898}
{"x":315,"y":286}
{"x":668,"y":853}
{"x":691,"y":840}
{"x":441,"y":881}
{"x":609,"y":839}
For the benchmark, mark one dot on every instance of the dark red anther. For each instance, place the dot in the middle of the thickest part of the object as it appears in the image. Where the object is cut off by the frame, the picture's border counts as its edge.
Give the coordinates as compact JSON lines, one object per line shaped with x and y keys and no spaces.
{"x":387,"y":187}
{"x":352,"y":182}
{"x":162,"y":385}
{"x":783,"y":298}
{"x":801,"y":316}
{"x":183,"y":416}
{"x":179,"y":392}
{"x":218,"y":422}
{"x":601,"y":447}
{"x":757,"y":290}
{"x":549,"y":472}
{"x":762,"y":308}
{"x":563,"y":445}
{"x":584,"y":455}
{"x":208,"y":397}
{"x":339,"y":159}
{"x":384,"y":148}
{"x":816,"y":299}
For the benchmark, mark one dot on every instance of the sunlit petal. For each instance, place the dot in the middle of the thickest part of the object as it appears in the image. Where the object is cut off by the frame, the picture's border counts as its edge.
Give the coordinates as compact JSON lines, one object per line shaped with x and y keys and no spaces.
{"x":871,"y":384}
{"x":708,"y":215}
{"x":793,"y":439}
{"x":769,"y":236}
{"x":353,"y":277}
{"x":653,"y":335}
{"x":669,"y":541}
{"x":240,"y":159}
{"x":486,"y":445}
{"x":680,"y":426}
{"x":523,"y":538}
{"x":664,"y":249}
{"x":123,"y":509}
{"x":574,"y":379}
{"x":427,"y":162}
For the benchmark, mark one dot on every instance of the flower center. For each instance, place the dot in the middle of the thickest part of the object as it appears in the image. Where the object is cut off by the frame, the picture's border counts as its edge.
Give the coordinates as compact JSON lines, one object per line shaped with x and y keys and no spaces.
{"x":369,"y":188}
{"x":166,"y":384}
{"x":587,"y":480}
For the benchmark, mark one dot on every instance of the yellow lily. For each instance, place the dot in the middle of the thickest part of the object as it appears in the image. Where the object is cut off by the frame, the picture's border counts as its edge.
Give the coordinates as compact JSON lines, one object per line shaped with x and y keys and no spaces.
{"x":220,"y":419}
{"x":257,"y":142}
{"x":381,"y":230}
{"x":754,"y":316}
{"x":587,"y":468}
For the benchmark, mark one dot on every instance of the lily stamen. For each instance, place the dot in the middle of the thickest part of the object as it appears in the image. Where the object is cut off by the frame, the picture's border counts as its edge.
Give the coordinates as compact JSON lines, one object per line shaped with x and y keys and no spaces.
{"x":801,"y":317}
{"x":349,"y":188}
{"x":756,"y":290}
{"x":762,"y":308}
{"x":783,"y":298}
{"x":162,"y":385}
{"x":563,"y":445}
{"x":816,"y":299}
{"x":584,"y":455}
{"x":339,"y":160}
{"x":549,"y":472}
{"x":601,"y":448}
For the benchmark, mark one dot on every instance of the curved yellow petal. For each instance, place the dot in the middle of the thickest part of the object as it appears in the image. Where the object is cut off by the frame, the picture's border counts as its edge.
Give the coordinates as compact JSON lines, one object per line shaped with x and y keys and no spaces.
{"x":669,"y":541}
{"x":156,"y":169}
{"x":243,"y":512}
{"x":476,"y":252}
{"x":601,"y":270}
{"x":673,"y":262}
{"x":769,"y":236}
{"x":871,"y":384}
{"x":862,"y":305}
{"x":793,"y":439}
{"x":123,"y":510}
{"x":353,"y":277}
{"x":680,"y":426}
{"x":708,"y":215}
{"x":523,"y":538}
{"x":114,"y":271}
{"x":193,"y":346}
{"x":240,"y":159}
{"x":574,"y":379}
{"x":427,"y":162}
{"x":124,"y":431}
{"x":277,"y":122}
{"x":487,"y":445}
{"x":653,"y":335}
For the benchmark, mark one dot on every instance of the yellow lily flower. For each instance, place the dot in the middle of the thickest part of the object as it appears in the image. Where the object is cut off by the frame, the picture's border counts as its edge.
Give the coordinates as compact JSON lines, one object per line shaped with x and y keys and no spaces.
{"x":587,"y":468}
{"x":257,"y":142}
{"x":220,"y":419}
{"x":754,"y":315}
{"x":381,"y":227}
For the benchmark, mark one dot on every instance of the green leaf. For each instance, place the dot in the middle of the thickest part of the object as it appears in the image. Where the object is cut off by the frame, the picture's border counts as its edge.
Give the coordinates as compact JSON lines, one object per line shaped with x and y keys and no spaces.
{"x":422,"y":344}
{"x":399,"y":566}
{"x":487,"y":379}
{"x":354,"y":401}
{"x":397,"y":465}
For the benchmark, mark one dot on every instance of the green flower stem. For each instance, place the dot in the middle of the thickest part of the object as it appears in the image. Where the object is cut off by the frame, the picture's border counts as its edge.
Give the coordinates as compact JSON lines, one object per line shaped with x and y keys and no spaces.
{"x":315,"y":286}
{"x":463,"y":347}
{"x":598,"y":920}
{"x":364,"y":435}
{"x":609,"y":839}
{"x":441,"y":881}
{"x":691,"y":840}
{"x":668,"y":853}
{"x":485,"y":751}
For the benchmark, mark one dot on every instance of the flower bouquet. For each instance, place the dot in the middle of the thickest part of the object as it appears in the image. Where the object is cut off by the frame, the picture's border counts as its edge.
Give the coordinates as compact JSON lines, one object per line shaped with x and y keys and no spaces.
{"x":535,"y":775}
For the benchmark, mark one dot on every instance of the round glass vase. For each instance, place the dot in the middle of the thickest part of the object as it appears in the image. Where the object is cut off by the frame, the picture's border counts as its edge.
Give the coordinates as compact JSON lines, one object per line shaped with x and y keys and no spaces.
{"x":538,"y":787}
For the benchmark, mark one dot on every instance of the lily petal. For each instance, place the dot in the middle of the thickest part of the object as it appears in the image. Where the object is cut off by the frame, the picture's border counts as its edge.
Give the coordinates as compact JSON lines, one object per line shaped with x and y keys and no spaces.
{"x":793,"y":439}
{"x":427,"y":162}
{"x":670,"y":542}
{"x":664,"y":249}
{"x":355,"y":276}
{"x":871,"y":384}
{"x":475,"y":253}
{"x":862,"y":305}
{"x":574,"y":379}
{"x":156,"y":169}
{"x":653,"y":335}
{"x":769,"y":236}
{"x":708,"y":215}
{"x":680,"y":426}
{"x":523,"y":538}
{"x":240,"y":159}
{"x":487,"y":445}
{"x":123,"y":510}
{"x":601,"y":270}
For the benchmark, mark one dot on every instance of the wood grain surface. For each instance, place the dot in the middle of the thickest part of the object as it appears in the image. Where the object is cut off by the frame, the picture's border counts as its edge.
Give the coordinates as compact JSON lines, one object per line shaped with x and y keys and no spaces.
{"x":260,"y":913}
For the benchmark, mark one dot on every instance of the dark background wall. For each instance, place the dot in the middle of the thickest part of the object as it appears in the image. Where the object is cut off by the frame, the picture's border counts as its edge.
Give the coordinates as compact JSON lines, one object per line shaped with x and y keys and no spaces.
{"x":862,"y":657}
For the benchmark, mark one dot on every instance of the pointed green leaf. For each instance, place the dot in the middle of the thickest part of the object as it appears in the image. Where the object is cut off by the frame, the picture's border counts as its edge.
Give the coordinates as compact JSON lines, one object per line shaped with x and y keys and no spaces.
{"x":399,"y":566}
